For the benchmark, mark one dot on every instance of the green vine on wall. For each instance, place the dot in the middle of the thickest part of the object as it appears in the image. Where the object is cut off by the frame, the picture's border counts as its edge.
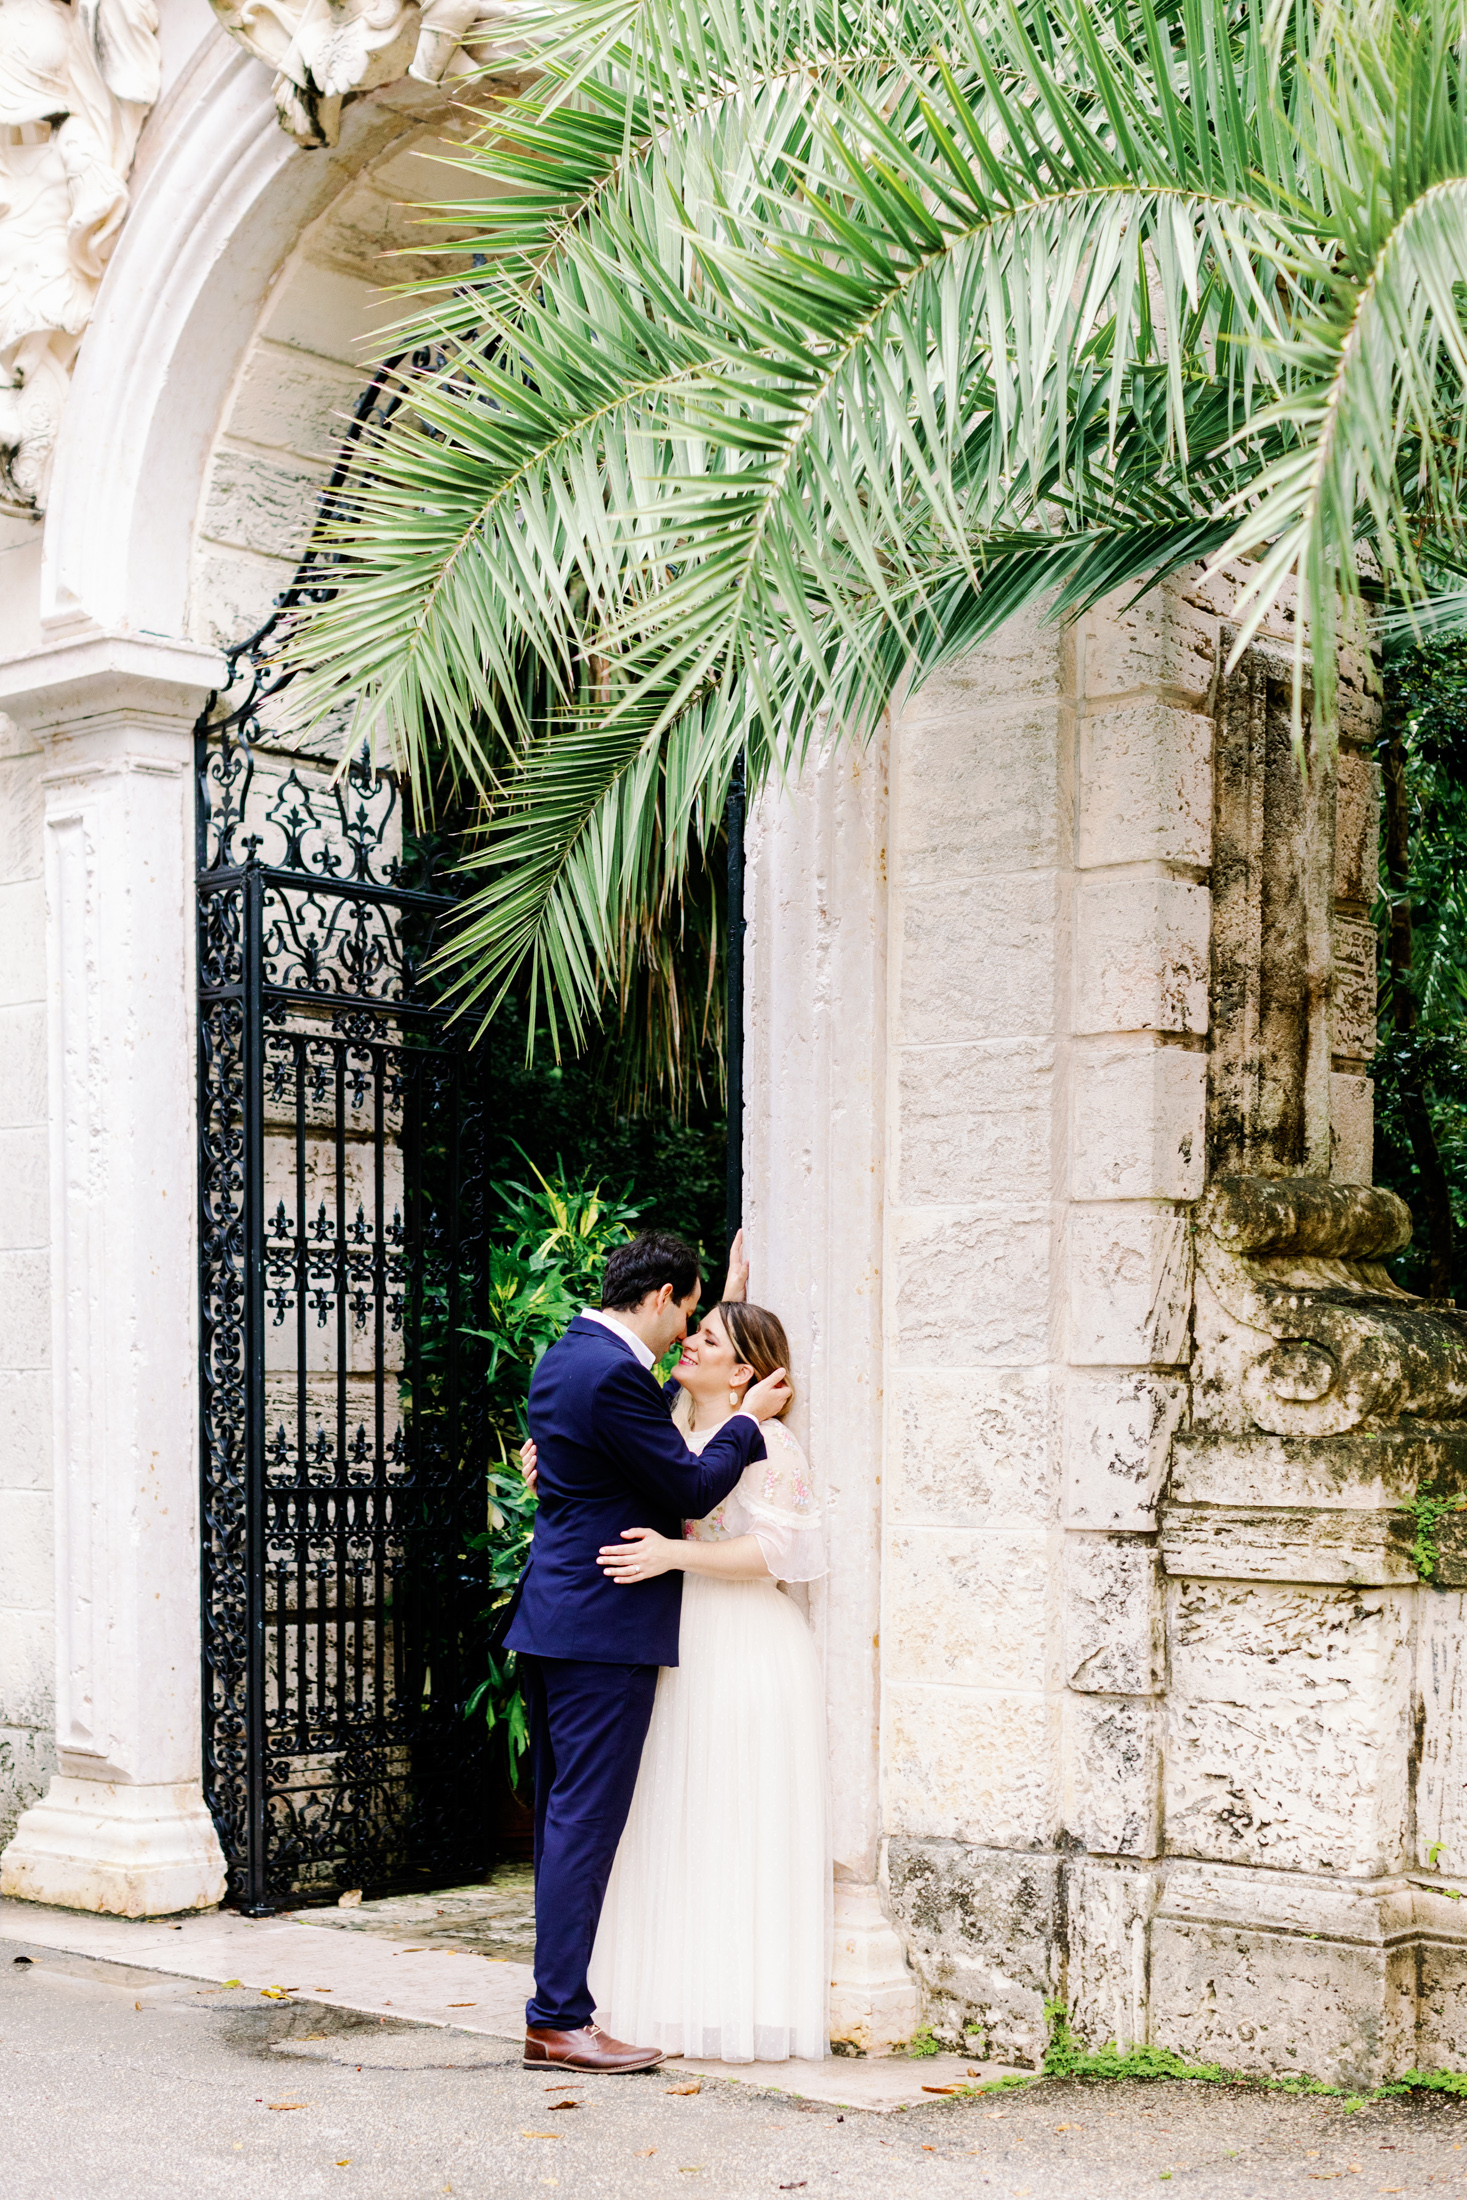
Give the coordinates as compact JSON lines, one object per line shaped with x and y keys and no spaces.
{"x":1426,"y":1512}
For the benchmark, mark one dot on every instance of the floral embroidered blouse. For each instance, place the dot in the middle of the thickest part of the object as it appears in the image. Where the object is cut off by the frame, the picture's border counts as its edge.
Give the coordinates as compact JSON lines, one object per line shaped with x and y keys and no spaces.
{"x":773,"y":1500}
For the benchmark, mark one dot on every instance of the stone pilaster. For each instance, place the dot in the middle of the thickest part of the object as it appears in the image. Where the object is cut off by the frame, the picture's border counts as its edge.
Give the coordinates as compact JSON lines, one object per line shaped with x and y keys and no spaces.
{"x":123,"y":1827}
{"x":814,"y":1175}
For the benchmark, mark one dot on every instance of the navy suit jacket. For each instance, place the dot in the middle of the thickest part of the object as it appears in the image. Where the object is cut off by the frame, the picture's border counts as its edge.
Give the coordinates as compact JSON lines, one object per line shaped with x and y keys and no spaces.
{"x":610,"y":1458}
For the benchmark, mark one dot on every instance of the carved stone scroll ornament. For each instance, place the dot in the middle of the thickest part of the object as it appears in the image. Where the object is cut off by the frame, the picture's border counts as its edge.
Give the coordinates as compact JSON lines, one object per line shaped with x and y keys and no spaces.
{"x":76,"y":84}
{"x":325,"y":52}
{"x":1299,"y":1324}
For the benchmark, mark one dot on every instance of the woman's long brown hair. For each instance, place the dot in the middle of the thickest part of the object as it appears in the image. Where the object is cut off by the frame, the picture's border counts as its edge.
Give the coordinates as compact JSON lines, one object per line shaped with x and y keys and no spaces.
{"x":758,"y":1338}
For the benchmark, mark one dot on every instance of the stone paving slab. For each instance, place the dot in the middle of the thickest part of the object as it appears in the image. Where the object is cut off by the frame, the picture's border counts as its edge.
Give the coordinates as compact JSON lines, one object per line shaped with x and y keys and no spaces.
{"x":415,"y":1958}
{"x":495,"y":1917}
{"x":430,"y":1984}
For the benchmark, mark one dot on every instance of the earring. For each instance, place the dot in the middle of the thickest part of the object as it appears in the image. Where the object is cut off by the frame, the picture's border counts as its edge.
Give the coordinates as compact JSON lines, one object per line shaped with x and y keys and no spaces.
{"x":733,"y":1397}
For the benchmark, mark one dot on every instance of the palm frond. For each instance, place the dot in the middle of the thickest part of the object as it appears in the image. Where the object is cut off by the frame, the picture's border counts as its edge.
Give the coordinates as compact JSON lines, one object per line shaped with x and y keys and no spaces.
{"x":807,"y":343}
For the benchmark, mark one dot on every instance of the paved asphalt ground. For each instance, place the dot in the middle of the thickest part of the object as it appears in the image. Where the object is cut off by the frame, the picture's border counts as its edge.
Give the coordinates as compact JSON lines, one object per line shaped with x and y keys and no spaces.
{"x":116,"y":2083}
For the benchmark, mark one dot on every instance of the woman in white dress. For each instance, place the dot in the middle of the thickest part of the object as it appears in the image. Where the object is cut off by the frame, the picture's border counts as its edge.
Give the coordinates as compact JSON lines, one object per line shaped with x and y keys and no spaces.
{"x":715,"y":1934}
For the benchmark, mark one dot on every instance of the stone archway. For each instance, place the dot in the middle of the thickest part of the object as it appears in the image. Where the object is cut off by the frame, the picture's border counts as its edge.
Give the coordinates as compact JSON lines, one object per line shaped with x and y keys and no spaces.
{"x":198,"y":425}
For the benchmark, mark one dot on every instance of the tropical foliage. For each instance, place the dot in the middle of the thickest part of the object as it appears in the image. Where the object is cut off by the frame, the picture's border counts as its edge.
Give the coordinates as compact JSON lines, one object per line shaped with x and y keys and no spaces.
{"x":1421,"y":1069}
{"x":810,"y":338}
{"x":552,"y":1240}
{"x":575,"y":1119}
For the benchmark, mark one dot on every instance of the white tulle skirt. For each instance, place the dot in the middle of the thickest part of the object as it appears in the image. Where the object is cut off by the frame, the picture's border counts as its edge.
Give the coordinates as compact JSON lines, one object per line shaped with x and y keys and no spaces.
{"x":715,"y":1935}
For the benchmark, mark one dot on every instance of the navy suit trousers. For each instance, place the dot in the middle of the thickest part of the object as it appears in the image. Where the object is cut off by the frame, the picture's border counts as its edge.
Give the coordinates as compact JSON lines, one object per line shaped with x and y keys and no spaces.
{"x":587,"y":1726}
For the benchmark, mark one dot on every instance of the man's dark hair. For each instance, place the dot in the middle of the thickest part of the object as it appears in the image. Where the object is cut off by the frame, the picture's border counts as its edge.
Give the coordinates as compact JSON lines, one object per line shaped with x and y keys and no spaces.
{"x":645,"y":1263}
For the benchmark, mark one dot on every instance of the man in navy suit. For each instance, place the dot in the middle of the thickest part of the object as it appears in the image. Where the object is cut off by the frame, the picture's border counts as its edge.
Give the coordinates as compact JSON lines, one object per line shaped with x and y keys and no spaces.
{"x":589,"y":1647}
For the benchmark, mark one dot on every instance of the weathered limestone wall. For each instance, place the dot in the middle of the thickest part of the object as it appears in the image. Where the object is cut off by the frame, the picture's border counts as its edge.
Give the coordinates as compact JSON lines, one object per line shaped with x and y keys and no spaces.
{"x":1169,"y":1727}
{"x":1050,"y":959}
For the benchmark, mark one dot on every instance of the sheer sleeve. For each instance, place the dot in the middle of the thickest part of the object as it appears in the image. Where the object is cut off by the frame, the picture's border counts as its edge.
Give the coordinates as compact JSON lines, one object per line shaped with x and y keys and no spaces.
{"x":775,"y":1501}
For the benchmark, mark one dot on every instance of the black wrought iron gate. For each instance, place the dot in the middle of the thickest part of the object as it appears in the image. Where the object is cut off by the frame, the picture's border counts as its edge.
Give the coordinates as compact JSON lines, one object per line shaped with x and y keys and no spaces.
{"x":341,"y":1226}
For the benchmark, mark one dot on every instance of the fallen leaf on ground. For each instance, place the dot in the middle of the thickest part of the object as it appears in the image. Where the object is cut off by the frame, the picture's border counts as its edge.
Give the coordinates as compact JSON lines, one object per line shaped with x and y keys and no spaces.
{"x":287,"y":2104}
{"x":798,"y":2185}
{"x":346,"y":2164}
{"x":349,"y":1901}
{"x":320,"y":1989}
{"x":643,"y":2152}
{"x":564,"y":2104}
{"x":538,"y":2135}
{"x":1061,"y":2127}
{"x":695,"y":2087}
{"x":942,"y":2089}
{"x":227,"y":1983}
{"x":276,"y":1993}
{"x":137,"y":2005}
{"x":463,"y":2005}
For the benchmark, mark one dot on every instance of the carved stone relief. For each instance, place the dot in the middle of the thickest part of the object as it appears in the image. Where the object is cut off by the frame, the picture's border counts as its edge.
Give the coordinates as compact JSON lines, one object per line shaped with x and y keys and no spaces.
{"x":77,"y":81}
{"x":325,"y":52}
{"x":1313,"y":1721}
{"x":76,"y":84}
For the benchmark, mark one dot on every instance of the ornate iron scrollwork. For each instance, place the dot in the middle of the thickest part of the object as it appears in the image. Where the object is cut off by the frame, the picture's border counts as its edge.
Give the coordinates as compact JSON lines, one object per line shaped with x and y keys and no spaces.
{"x":342,"y":1260}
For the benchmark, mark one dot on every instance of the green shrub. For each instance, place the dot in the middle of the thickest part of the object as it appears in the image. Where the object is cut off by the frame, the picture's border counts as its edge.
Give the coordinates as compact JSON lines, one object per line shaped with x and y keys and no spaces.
{"x":553,"y":1239}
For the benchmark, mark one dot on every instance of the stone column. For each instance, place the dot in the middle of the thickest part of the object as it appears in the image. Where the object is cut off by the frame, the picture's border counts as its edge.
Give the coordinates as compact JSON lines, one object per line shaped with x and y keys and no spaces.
{"x":815,"y":1036}
{"x":123,"y":1828}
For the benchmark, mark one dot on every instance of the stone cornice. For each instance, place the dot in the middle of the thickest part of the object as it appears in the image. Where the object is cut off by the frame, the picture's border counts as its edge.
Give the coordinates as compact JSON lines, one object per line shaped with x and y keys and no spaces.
{"x":78,"y":681}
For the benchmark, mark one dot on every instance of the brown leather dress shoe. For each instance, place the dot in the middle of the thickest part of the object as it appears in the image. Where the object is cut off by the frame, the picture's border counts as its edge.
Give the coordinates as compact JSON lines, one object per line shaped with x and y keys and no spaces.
{"x":588,"y":2049}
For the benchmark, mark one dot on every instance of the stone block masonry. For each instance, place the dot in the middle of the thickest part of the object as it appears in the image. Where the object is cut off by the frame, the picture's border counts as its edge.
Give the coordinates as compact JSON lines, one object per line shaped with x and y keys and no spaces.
{"x":1161,"y":1698}
{"x":1050,"y":927}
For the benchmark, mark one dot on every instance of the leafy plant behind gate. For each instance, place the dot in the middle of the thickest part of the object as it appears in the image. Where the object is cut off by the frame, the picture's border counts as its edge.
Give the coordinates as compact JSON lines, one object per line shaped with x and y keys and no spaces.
{"x":555,"y":1235}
